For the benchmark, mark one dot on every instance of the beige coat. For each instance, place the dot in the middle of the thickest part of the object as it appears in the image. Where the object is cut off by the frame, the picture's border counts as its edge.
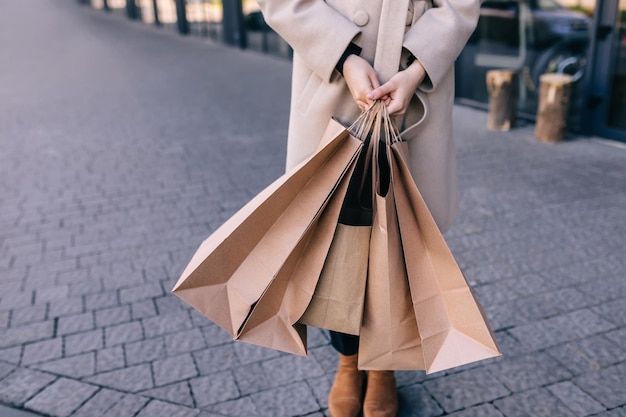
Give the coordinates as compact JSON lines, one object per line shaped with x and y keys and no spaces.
{"x":319,"y":31}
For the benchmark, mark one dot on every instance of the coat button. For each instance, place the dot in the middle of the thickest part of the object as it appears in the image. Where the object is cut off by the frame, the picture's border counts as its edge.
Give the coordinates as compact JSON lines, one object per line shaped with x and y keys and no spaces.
{"x":361,"y":18}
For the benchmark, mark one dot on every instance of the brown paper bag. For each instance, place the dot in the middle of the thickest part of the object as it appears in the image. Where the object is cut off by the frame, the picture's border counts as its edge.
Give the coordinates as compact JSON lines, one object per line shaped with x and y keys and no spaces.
{"x":273,"y":320}
{"x":389,"y":337}
{"x":337,"y":303}
{"x":235,"y":265}
{"x":452,"y":327}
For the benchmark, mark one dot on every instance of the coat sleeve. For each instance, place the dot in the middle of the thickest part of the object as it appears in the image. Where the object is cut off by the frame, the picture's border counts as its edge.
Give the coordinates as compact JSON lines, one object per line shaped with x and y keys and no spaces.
{"x":317,"y":33}
{"x":438,"y":37}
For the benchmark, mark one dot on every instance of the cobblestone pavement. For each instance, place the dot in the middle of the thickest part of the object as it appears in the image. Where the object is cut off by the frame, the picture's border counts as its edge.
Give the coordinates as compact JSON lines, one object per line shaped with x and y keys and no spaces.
{"x":123,"y":146}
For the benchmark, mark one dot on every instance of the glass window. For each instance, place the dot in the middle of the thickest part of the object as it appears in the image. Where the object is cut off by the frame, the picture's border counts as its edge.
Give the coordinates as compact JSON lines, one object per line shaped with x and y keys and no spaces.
{"x":530,"y":36}
{"x":260,"y":36}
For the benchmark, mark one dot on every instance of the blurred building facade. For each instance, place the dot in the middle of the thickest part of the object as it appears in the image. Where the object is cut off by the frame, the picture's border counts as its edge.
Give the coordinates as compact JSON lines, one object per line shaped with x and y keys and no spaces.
{"x":583,"y":38}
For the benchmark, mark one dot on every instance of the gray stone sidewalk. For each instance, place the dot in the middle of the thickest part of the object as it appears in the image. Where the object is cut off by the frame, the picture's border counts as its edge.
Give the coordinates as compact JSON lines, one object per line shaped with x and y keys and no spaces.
{"x":123,"y":146}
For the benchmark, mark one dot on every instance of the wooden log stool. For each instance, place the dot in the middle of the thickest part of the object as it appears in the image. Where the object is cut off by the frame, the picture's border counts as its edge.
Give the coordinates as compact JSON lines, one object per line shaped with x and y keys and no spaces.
{"x":501,"y":85}
{"x":554,"y":96}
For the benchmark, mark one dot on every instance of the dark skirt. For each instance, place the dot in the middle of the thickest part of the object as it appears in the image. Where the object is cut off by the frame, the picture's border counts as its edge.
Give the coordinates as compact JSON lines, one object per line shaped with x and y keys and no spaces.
{"x":346,"y":344}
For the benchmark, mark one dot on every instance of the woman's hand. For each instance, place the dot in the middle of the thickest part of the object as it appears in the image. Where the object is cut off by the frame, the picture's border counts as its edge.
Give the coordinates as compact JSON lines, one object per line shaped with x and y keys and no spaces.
{"x":361,"y":80}
{"x":398,"y":91}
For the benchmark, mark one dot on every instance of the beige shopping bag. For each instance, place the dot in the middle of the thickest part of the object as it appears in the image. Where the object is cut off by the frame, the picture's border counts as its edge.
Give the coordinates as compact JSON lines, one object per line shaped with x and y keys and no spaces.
{"x":236,"y":264}
{"x":452,"y":326}
{"x":389,"y":337}
{"x":337,"y":303}
{"x":273,"y":321}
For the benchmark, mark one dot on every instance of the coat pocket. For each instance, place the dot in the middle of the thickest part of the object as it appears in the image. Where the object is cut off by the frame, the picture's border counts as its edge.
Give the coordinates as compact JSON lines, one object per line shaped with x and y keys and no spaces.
{"x":308,"y":92}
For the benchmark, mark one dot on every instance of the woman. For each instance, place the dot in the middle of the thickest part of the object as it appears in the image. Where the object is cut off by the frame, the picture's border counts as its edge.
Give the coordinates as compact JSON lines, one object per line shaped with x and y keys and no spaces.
{"x":335,"y":43}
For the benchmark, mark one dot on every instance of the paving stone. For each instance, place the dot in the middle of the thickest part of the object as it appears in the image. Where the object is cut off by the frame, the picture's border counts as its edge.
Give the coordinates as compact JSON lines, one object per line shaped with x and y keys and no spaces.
{"x":27,"y":333}
{"x":132,"y":379}
{"x":291,"y":368}
{"x":215,"y":359}
{"x":185,"y":341}
{"x":123,"y":333}
{"x":59,"y":292}
{"x":252,"y":378}
{"x":11,"y":355}
{"x":31,"y":314}
{"x":606,"y":385}
{"x":42,"y":351}
{"x":217,"y":388}
{"x":535,"y":308}
{"x":484,"y":410}
{"x":173,"y":369}
{"x":317,"y":337}
{"x":588,"y":355}
{"x":67,"y":307}
{"x":494,"y":293}
{"x":109,"y":359}
{"x":405,"y":378}
{"x":78,"y":366}
{"x":576,"y":400}
{"x":22,"y":384}
{"x":166,"y":323}
{"x":559,"y":329}
{"x":616,"y":412}
{"x":143,"y":309}
{"x":162,"y":409}
{"x":99,"y":404}
{"x":197,"y":318}
{"x":128,"y":405}
{"x":522,"y":373}
{"x":414,"y":401}
{"x":99,"y":300}
{"x":75,"y":324}
{"x":530,"y":284}
{"x":605,"y":289}
{"x":116,"y":282}
{"x":170,"y":304}
{"x":617,"y":336}
{"x":61,"y":398}
{"x":509,"y":345}
{"x":84,"y":285}
{"x":16,"y":300}
{"x":83,"y":342}
{"x":215,"y":335}
{"x":4,"y":319}
{"x":535,"y":403}
{"x":327,"y":357}
{"x":568,"y":299}
{"x":144,"y":351}
{"x":292,"y":400}
{"x":320,"y":386}
{"x":112,"y":315}
{"x":502,"y":316}
{"x":241,"y":407}
{"x":457,"y":391}
{"x":613,"y":312}
{"x":247,"y":353}
{"x":6,"y":369}
{"x":142,"y":292}
{"x":179,"y":393}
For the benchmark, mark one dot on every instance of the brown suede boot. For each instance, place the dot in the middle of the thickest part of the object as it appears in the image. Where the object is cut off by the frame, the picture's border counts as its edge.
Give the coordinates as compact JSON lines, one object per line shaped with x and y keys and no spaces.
{"x":381,"y":399}
{"x":346,"y":395}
